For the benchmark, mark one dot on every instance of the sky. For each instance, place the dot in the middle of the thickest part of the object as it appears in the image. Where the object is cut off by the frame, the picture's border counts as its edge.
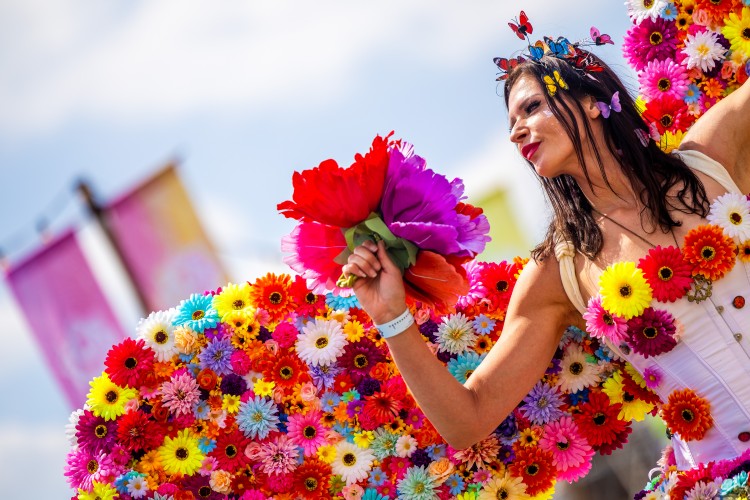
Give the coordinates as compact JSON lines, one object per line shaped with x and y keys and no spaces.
{"x":241,"y":94}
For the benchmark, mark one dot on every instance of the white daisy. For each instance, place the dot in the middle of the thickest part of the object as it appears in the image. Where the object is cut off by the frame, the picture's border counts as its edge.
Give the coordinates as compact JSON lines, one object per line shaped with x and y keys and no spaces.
{"x":352,"y":463}
{"x":703,"y":50}
{"x":158,"y":333}
{"x":639,"y":10}
{"x":576,"y":372}
{"x":137,"y":487}
{"x":731,"y":211}
{"x":507,"y":486}
{"x":703,"y":491}
{"x":70,"y":427}
{"x":455,"y":334}
{"x":406,"y":446}
{"x":321,"y":342}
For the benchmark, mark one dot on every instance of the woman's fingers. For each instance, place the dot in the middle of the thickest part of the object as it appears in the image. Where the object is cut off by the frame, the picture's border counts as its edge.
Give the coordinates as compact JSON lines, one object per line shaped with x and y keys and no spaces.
{"x":363,"y":263}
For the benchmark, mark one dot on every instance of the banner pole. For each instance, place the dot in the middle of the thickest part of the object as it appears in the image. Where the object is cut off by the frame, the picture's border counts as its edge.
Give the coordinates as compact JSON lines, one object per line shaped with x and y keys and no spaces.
{"x":96,"y":210}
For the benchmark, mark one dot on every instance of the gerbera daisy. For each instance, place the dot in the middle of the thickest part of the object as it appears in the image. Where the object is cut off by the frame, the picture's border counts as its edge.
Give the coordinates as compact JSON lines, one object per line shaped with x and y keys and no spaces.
{"x":311,"y":479}
{"x":668,"y":114}
{"x":464,"y":365}
{"x":719,"y":10}
{"x":667,"y":272}
{"x":535,"y":466}
{"x":137,"y":487}
{"x":598,"y":420}
{"x":272,"y":294}
{"x":624,"y":290}
{"x":158,"y":333}
{"x":639,"y":10}
{"x":286,"y":371}
{"x":542,"y":404}
{"x":82,"y":468}
{"x":652,"y":333}
{"x":135,"y":431}
{"x":663,"y":78}
{"x":382,"y":407}
{"x":455,"y":334}
{"x":321,"y":342}
{"x":651,"y":40}
{"x":233,"y":299}
{"x":652,"y":375}
{"x":107,"y":399}
{"x":602,"y":324}
{"x":128,"y":362}
{"x":417,"y":484}
{"x":179,"y":394}
{"x":703,"y":50}
{"x":258,"y":417}
{"x":359,"y":358}
{"x":670,"y":11}
{"x":94,"y":434}
{"x":306,"y":431}
{"x":577,"y":371}
{"x":230,"y":450}
{"x":217,"y":356}
{"x":181,"y":455}
{"x":731,"y":211}
{"x":710,"y":251}
{"x":506,"y":487}
{"x":687,"y":415}
{"x":308,"y":303}
{"x":571,"y":453}
{"x":498,"y":279}
{"x":484,"y":325}
{"x":633,"y":408}
{"x":99,"y":491}
{"x":196,"y":313}
{"x":743,"y":251}
{"x":352,"y":463}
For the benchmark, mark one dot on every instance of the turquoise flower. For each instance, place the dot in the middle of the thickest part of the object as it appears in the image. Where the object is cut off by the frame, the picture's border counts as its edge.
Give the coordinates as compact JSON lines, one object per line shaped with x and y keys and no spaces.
{"x":371,"y":494}
{"x":257,"y":418}
{"x":339,"y":302}
{"x":464,"y":365}
{"x":206,"y":444}
{"x":384,"y":444}
{"x":417,"y":484}
{"x":352,"y":395}
{"x":197,"y":313}
{"x":733,"y":483}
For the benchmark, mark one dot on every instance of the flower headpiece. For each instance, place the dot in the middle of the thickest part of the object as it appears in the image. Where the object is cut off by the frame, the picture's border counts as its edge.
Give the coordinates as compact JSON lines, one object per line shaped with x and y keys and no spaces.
{"x":561,"y":48}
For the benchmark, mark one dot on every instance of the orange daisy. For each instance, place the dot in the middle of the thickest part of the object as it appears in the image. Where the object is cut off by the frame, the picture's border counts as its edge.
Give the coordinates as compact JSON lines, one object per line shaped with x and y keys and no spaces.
{"x":743,"y":251}
{"x":272,"y":294}
{"x":687,"y":415}
{"x":536,"y":467}
{"x":710,"y":251}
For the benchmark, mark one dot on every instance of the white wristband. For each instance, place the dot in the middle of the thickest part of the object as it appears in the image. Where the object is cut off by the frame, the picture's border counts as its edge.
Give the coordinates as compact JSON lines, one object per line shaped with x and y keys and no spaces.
{"x":395,"y":326}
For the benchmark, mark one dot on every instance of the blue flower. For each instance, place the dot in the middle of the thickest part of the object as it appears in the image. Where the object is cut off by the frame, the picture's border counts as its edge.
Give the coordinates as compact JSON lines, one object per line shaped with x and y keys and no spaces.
{"x":324,"y":376}
{"x":484,"y":324}
{"x":377,"y":477}
{"x":197,"y":313}
{"x":329,"y":400}
{"x":257,"y":418}
{"x":464,"y":365}
{"x":693,"y":94}
{"x":542,"y":404}
{"x":338,"y":302}
{"x":579,"y":397}
{"x":455,"y":484}
{"x":206,"y":444}
{"x":436,"y":451}
{"x":669,"y":12}
{"x":371,"y":494}
{"x":217,"y":356}
{"x":201,"y":410}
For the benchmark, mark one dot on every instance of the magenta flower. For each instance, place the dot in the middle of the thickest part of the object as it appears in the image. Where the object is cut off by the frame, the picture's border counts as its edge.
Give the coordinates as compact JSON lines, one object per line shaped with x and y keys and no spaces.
{"x":651,"y":40}
{"x":663,"y":78}
{"x":652,"y":333}
{"x":419,"y":205}
{"x":306,"y":431}
{"x":601,"y":324}
{"x":94,"y":434}
{"x":652,"y":376}
{"x":570,"y":451}
{"x":83,"y":468}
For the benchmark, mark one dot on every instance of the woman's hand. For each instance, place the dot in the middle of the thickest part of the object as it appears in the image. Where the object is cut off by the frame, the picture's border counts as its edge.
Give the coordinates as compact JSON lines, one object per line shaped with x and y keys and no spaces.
{"x":379,"y":287}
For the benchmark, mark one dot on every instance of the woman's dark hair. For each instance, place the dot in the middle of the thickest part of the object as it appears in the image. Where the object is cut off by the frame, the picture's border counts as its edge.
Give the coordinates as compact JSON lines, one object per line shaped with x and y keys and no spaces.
{"x":651,"y":171}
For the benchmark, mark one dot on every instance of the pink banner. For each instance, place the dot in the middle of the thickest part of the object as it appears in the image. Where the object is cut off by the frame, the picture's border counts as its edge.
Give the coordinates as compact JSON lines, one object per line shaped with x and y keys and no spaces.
{"x":67,"y":313}
{"x":162,"y":242}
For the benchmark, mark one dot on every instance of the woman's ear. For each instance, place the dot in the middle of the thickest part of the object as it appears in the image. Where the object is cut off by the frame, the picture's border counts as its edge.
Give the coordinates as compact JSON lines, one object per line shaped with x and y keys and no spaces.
{"x":590,"y":107}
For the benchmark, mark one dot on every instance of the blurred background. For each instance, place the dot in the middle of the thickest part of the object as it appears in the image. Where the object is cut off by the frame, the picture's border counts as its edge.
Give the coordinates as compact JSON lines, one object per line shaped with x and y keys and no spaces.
{"x":193,"y":116}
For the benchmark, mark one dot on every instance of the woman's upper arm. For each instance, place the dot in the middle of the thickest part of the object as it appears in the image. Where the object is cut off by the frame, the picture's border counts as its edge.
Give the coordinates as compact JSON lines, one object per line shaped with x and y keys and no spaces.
{"x":537,"y":316}
{"x":723,"y":133}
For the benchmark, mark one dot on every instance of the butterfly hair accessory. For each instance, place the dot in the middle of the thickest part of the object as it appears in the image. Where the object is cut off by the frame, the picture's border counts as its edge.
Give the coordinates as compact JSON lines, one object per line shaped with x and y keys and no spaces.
{"x":554,"y":82}
{"x":559,"y":47}
{"x":614,"y":105}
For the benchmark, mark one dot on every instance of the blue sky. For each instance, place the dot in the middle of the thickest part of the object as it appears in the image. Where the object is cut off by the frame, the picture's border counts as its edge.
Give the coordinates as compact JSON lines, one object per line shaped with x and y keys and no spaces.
{"x":243,"y":94}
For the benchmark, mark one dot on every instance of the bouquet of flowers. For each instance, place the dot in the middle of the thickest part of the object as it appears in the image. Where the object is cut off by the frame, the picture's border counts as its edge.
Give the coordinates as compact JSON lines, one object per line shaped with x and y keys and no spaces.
{"x":688,"y":55}
{"x":386,"y":194}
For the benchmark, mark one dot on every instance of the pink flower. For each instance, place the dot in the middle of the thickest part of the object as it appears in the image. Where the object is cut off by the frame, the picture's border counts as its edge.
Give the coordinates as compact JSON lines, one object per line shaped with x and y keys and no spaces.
{"x":652,"y":376}
{"x":601,"y":324}
{"x":278,"y":458}
{"x":663,"y":78}
{"x":305,"y":431}
{"x":571,"y":453}
{"x":179,"y":394}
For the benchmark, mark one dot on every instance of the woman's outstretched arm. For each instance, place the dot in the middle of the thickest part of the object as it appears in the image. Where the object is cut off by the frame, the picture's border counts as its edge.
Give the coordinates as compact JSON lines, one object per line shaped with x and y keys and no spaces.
{"x":538,"y":314}
{"x":723,"y":133}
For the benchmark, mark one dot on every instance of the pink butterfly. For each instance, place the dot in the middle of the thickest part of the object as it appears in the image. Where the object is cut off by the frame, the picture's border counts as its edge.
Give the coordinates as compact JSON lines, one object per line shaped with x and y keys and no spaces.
{"x":612,"y":106}
{"x":600,"y":39}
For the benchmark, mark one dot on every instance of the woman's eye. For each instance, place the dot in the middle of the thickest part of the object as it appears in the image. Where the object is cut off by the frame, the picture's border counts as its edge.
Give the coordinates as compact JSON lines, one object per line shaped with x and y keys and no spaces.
{"x":532,"y":106}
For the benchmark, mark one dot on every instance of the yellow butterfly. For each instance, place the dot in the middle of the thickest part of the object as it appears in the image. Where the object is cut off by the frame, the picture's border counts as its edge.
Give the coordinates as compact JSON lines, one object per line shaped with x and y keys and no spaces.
{"x":554,"y":84}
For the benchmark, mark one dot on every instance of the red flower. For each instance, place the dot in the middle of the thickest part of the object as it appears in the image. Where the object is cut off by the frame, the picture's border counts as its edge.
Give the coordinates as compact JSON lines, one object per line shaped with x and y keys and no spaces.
{"x":436,"y":280}
{"x":308,"y":302}
{"x":598,"y":422}
{"x":381,"y":407}
{"x":206,"y":379}
{"x":499,"y":280}
{"x":313,"y":250}
{"x":230,"y":450}
{"x":271,"y":293}
{"x":667,"y":272}
{"x":340,"y":197}
{"x":135,"y":431}
{"x":687,"y":415}
{"x":710,"y":251}
{"x":668,"y":113}
{"x":311,"y":479}
{"x":287,"y":370}
{"x":128,"y":362}
{"x":536,"y":467}
{"x":717,"y":10}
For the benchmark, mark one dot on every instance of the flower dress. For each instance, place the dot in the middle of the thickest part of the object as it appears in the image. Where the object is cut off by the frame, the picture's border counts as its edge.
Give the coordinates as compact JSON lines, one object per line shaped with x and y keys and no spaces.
{"x":703,"y":376}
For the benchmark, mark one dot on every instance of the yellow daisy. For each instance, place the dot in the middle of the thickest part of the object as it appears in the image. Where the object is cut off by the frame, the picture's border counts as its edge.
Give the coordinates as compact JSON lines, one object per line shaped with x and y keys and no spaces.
{"x":625,"y":291}
{"x":507,"y":487}
{"x":354,"y":331}
{"x":632,"y":408}
{"x":263,"y":388}
{"x":233,"y":298}
{"x":671,"y":140}
{"x":231,"y":403}
{"x":107,"y":399}
{"x":181,"y":455}
{"x":737,"y":30}
{"x":101,"y":491}
{"x":327,"y":453}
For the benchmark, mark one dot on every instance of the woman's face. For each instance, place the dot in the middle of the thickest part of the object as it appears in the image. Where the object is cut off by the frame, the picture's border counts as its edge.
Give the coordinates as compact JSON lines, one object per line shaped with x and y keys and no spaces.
{"x":537,"y":133}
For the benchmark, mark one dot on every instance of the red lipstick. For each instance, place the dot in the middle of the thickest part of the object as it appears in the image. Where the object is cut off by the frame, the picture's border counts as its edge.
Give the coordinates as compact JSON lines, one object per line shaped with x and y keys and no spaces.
{"x":528,"y":150}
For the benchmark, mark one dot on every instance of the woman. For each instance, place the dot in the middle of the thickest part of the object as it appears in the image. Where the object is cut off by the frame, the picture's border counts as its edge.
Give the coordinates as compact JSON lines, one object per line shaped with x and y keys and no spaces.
{"x":615,"y":196}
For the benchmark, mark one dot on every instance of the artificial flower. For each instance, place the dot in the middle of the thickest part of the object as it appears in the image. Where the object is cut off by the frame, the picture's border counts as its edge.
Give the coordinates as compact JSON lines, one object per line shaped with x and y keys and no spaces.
{"x":651,"y":40}
{"x":196,"y":313}
{"x":107,"y":399}
{"x":687,"y":415}
{"x":731,"y":212}
{"x":633,"y":408}
{"x":602,"y":324}
{"x":624,"y":290}
{"x":181,"y":455}
{"x":272,"y":294}
{"x":710,"y":251}
{"x":321,"y":342}
{"x":351,"y":462}
{"x":652,"y":333}
{"x":703,"y":50}
{"x":577,"y":371}
{"x":639,"y":10}
{"x":506,"y":487}
{"x":455,"y":334}
{"x":663,"y":79}
{"x":158,"y":333}
{"x":233,"y":299}
{"x":667,"y":272}
{"x":571,"y":453}
{"x":535,"y":466}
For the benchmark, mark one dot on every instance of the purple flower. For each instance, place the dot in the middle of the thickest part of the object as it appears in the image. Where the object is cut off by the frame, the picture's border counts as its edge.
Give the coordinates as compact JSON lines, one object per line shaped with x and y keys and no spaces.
{"x":94,"y":434}
{"x":217,"y":356}
{"x":419,"y":205}
{"x":542,"y":404}
{"x":652,"y":333}
{"x":233,"y":384}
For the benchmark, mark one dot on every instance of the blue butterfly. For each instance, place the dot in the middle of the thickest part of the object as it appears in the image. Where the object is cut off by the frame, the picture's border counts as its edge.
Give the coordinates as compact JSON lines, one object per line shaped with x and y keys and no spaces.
{"x":536,"y":51}
{"x":559,"y":48}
